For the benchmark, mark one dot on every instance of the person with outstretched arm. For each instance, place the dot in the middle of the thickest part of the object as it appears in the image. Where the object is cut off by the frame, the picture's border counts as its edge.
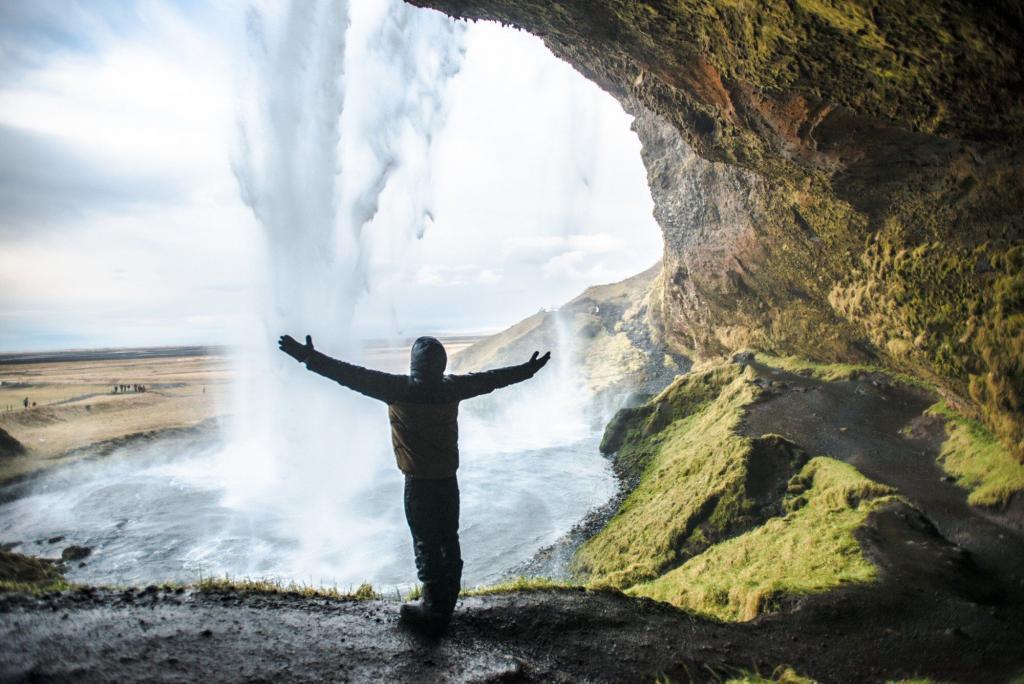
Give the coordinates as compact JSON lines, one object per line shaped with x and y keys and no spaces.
{"x":423,"y":408}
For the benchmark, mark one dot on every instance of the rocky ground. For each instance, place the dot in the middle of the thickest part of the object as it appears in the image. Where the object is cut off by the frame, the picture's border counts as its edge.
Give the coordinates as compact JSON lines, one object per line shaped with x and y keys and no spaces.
{"x":859,"y":634}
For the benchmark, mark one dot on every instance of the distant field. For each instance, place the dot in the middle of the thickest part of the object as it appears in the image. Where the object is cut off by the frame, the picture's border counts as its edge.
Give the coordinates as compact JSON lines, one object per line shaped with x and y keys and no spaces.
{"x":75,"y":405}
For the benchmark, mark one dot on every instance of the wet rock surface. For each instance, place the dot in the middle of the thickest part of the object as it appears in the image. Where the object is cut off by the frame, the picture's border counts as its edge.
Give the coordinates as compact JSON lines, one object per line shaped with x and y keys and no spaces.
{"x":75,"y":552}
{"x":551,"y":636}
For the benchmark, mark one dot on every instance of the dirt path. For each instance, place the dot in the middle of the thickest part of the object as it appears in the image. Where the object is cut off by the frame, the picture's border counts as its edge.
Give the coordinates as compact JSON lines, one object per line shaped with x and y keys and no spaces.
{"x":530,"y":636}
{"x":860,"y":421}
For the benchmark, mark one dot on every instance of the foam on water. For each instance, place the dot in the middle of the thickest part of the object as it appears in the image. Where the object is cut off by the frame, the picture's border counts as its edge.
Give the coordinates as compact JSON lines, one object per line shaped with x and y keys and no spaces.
{"x":151,"y":515}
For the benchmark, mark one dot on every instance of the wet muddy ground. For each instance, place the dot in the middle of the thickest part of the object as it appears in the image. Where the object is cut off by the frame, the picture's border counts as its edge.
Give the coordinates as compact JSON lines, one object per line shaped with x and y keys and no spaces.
{"x":852,"y":636}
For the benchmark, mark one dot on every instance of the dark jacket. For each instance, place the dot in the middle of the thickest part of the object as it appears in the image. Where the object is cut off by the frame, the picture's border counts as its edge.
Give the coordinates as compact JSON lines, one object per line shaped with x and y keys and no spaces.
{"x":423,"y":407}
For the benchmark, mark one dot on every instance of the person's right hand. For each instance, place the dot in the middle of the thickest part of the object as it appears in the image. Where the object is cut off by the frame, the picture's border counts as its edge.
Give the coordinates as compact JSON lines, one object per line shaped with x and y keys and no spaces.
{"x":537,"y":363}
{"x":290,"y":346}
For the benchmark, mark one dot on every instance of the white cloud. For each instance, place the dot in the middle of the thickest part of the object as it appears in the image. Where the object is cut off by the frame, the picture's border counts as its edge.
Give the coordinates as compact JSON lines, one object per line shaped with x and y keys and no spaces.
{"x":536,"y":187}
{"x":457,"y":276}
{"x":488,"y":276}
{"x":540,"y":248}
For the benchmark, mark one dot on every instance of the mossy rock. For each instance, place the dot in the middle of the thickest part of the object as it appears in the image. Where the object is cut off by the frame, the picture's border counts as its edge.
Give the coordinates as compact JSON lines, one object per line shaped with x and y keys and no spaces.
{"x":19,"y":572}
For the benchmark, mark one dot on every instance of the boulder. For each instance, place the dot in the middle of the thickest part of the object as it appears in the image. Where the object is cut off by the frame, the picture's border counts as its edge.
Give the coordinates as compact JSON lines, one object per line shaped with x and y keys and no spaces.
{"x":9,"y":446}
{"x":75,"y":552}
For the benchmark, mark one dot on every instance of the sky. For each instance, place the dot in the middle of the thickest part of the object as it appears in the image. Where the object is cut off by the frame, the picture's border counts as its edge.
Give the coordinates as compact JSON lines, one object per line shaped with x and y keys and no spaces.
{"x":122,"y":223}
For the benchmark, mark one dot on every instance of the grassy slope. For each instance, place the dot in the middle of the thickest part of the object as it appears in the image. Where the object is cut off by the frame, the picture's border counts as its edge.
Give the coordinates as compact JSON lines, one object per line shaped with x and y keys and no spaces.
{"x":599,"y":328}
{"x":812,"y":549}
{"x":694,"y":461}
{"x":688,"y":533}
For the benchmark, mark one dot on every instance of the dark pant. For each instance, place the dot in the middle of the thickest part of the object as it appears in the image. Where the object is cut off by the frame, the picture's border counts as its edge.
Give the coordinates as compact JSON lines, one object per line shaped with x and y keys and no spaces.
{"x":432,"y":510}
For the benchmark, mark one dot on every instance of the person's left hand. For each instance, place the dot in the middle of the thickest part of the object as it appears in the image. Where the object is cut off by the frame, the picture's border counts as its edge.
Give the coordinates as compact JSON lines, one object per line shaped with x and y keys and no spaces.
{"x":290,"y":346}
{"x":537,"y":363}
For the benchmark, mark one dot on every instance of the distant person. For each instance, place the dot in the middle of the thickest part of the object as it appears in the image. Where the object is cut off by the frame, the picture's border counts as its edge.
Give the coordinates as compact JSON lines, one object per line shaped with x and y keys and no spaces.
{"x":423,"y":408}
{"x":25,"y":402}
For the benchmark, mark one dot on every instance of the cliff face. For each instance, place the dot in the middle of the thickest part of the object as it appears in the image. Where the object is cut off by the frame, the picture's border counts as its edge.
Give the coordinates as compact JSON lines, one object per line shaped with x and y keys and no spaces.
{"x":835,"y":180}
{"x":608,"y":330}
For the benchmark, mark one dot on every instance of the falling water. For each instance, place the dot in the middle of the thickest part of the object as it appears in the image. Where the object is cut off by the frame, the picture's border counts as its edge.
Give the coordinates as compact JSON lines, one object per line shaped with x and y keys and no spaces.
{"x":339,"y":105}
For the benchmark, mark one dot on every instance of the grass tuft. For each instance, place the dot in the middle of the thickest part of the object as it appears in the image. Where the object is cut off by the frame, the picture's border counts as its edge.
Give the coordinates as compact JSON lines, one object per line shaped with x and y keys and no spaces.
{"x":520,"y":584}
{"x":364,"y":592}
{"x":34,"y":588}
{"x":981,"y":463}
{"x":832,"y":372}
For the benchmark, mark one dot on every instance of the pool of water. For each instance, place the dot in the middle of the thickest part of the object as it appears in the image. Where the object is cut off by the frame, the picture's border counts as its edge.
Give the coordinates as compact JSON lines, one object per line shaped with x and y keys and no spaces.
{"x":164,"y":511}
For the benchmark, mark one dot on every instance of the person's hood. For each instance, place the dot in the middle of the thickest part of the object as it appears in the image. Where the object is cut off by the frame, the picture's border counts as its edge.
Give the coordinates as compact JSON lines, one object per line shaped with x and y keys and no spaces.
{"x":428,"y":360}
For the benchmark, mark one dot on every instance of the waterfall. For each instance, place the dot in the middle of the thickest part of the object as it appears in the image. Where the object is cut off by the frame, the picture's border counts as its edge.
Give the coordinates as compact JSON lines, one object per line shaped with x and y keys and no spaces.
{"x":339,"y":102}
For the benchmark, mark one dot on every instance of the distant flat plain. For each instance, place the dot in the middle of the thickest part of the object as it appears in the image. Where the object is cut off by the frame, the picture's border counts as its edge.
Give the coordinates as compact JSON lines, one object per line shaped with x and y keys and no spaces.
{"x":77,"y":413}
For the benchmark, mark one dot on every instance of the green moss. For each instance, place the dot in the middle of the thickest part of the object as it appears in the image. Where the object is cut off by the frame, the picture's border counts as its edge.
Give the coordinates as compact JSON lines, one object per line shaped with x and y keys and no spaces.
{"x":916,"y":63}
{"x":978,"y":460}
{"x":929,"y":308}
{"x":996,"y":335}
{"x":363,"y":592}
{"x":629,"y":434}
{"x":691,"y":490}
{"x":810,"y":549}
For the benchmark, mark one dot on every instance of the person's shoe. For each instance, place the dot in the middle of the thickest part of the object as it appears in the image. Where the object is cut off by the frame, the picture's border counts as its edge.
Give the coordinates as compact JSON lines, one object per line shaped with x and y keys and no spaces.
{"x":454,"y":586}
{"x":430,"y":615}
{"x":419,"y":618}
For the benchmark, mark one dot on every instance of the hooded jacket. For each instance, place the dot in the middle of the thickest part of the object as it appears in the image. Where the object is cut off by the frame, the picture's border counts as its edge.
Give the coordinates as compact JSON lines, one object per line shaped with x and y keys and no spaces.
{"x":423,"y":407}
